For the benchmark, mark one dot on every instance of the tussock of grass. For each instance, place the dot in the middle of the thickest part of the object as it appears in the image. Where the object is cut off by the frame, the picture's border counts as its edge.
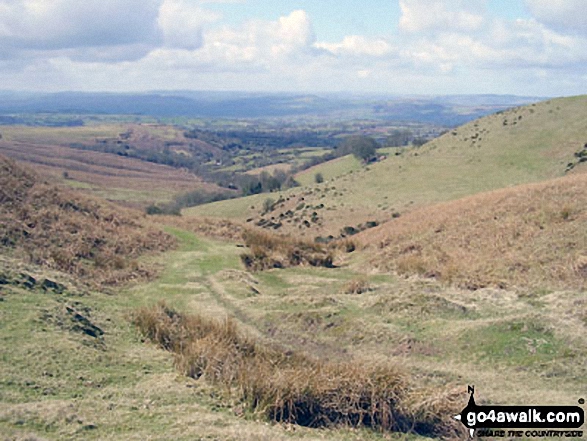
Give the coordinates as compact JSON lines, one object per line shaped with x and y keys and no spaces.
{"x":357,"y":286}
{"x":293,"y":388}
{"x":273,"y":251}
{"x":62,"y":230}
{"x":216,"y":228}
{"x":531,"y":235}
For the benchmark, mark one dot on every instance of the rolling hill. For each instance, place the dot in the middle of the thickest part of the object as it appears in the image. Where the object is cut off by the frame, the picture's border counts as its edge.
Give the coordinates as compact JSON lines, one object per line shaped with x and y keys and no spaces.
{"x":521,"y":145}
{"x":92,"y":159}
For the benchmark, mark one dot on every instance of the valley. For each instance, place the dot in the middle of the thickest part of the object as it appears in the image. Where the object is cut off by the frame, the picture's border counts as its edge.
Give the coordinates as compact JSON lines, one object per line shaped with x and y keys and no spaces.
{"x":395,"y":281}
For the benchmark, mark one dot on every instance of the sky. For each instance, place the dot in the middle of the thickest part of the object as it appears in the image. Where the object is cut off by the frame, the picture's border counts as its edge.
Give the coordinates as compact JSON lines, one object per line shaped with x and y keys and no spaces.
{"x":428,"y":47}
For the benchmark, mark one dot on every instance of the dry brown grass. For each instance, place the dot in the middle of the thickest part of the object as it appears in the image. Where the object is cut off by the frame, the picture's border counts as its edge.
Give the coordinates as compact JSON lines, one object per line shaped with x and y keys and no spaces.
{"x":531,"y":235}
{"x":274,"y":251}
{"x":215,"y":228}
{"x":357,"y":286}
{"x":129,"y":180}
{"x":285,"y":386}
{"x":62,"y":230}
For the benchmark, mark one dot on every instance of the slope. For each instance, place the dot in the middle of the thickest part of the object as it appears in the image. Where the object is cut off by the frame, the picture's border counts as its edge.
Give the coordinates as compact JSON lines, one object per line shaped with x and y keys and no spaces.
{"x":521,"y":145}
{"x":532,"y":236}
{"x":98,"y":159}
{"x":61,"y":230}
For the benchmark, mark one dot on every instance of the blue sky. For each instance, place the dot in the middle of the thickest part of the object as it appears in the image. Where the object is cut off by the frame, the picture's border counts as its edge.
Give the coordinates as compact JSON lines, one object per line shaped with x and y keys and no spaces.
{"x":524,"y":47}
{"x":333,"y":19}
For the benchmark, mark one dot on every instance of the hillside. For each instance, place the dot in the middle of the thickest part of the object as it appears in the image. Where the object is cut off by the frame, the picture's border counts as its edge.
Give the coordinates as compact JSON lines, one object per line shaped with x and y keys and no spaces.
{"x":521,"y":145}
{"x":492,"y":240}
{"x":533,"y":235}
{"x":97,"y":159}
{"x":61,"y":230}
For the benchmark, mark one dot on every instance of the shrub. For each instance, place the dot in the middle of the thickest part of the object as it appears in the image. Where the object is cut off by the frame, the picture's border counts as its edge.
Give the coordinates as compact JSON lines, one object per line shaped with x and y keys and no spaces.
{"x":357,"y":286}
{"x":294,"y":388}
{"x":348,"y":231}
{"x":268,"y":205}
{"x":272,"y":251}
{"x":172,"y":209}
{"x":318,"y":178}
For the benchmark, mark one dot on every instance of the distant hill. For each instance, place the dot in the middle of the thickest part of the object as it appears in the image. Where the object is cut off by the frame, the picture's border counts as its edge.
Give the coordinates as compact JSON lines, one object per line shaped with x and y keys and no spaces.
{"x":522,"y":145}
{"x":62,"y":230}
{"x":445,"y":111}
{"x":113,"y":161}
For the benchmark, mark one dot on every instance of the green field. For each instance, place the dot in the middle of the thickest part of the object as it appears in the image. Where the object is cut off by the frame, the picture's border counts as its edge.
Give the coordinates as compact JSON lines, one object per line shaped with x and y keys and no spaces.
{"x":329,"y":170}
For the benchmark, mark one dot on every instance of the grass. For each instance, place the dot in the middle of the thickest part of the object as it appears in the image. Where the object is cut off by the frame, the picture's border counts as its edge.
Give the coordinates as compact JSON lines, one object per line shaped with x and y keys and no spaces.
{"x":290,"y":387}
{"x":58,"y":383}
{"x":533,"y":236}
{"x":448,"y":337}
{"x":480,"y":156}
{"x":330,"y":170}
{"x":62,"y":230}
{"x":240,"y":208}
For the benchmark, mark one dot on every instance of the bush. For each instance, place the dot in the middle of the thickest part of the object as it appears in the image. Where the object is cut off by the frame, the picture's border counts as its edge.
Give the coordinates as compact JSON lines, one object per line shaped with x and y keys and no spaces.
{"x":318,"y":178}
{"x":200,"y":197}
{"x":272,"y":251}
{"x":172,"y":209}
{"x":357,"y":286}
{"x":268,"y":205}
{"x":348,"y":231}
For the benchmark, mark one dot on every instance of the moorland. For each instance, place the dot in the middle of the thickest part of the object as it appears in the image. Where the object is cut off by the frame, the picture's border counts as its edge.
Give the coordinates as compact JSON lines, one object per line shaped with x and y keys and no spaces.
{"x":266,"y":275}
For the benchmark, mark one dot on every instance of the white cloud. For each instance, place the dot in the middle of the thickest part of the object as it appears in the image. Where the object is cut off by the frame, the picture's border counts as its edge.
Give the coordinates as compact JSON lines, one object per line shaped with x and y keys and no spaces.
{"x":359,"y":46}
{"x":438,"y":15}
{"x":260,"y":43}
{"x":65,"y":24}
{"x":182,"y":22}
{"x":563,"y":15}
{"x":182,"y":44}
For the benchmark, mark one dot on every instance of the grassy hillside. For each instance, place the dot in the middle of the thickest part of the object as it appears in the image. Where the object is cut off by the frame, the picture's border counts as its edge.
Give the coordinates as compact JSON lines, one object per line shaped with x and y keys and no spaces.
{"x":522,"y":145}
{"x":118,"y":178}
{"x":74,"y":366}
{"x":329,"y":170}
{"x":532,"y":236}
{"x":59,"y":229}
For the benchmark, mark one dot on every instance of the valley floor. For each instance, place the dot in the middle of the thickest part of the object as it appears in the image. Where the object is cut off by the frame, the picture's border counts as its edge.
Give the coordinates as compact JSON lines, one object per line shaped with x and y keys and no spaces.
{"x":57,"y":381}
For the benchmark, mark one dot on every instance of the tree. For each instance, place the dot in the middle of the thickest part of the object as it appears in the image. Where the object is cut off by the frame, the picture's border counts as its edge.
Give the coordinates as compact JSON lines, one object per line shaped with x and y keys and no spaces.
{"x":418,"y":142}
{"x":363,"y":147}
{"x":399,"y":138}
{"x":318,"y":178}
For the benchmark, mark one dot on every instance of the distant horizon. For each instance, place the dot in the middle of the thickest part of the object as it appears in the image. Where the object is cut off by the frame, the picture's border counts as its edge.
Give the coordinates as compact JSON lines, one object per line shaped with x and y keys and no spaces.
{"x":276,"y":93}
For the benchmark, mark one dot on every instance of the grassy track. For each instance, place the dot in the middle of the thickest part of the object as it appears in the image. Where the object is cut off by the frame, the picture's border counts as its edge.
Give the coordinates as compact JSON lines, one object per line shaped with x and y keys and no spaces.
{"x":58,"y":383}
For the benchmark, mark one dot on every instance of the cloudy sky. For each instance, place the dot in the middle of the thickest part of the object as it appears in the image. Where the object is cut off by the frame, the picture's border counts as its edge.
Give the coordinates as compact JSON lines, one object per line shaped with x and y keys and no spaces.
{"x":524,"y":47}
